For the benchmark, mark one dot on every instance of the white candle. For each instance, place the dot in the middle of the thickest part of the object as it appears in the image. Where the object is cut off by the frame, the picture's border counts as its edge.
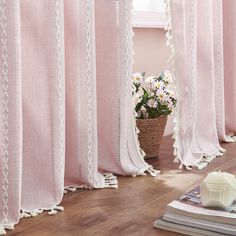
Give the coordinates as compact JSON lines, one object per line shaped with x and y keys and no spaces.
{"x":218,"y":189}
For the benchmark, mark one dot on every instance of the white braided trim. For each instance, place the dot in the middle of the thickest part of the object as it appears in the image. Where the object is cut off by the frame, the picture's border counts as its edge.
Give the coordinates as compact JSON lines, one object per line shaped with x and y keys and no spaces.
{"x":58,"y":10}
{"x":5,"y":108}
{"x":127,"y":62}
{"x":170,"y":44}
{"x":89,"y":74}
{"x":136,"y":131}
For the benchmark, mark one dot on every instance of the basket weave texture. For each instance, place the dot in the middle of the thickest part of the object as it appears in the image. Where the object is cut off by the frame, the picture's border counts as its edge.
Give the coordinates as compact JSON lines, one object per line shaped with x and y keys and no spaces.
{"x":151,"y":133}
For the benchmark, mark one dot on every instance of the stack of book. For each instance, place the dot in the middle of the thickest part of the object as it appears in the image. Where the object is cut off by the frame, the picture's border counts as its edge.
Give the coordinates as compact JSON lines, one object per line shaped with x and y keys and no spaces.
{"x":187,"y":216}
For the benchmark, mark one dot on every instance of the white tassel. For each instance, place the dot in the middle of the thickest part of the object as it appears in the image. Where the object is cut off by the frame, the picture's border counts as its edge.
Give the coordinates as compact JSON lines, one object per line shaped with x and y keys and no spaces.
{"x":209,"y":159}
{"x":27,"y":214}
{"x":54,"y":210}
{"x":73,"y":188}
{"x":109,"y":176}
{"x":188,"y":168}
{"x":2,"y":230}
{"x":153,"y":172}
{"x":136,"y":129}
{"x":229,"y":139}
{"x":219,"y":154}
{"x":142,"y":153}
{"x":9,"y":226}
{"x":70,"y":189}
{"x":24,"y":214}
{"x":201,"y":165}
{"x":34,"y":213}
{"x":174,"y":135}
{"x":181,"y":166}
{"x":222,"y":150}
{"x":110,"y":181}
{"x":176,"y":160}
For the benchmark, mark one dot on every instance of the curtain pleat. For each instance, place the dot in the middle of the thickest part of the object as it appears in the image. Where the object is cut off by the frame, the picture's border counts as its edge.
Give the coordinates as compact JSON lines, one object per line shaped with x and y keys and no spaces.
{"x":131,"y":158}
{"x":81,"y":102}
{"x":108,"y":83}
{"x":42,"y":46}
{"x":202,"y":64}
{"x":205,"y":130}
{"x":229,"y":23}
{"x":66,"y":101}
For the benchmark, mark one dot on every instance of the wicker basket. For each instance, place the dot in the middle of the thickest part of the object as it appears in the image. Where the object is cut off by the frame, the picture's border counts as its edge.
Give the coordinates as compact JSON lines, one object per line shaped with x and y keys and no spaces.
{"x":151,"y":133}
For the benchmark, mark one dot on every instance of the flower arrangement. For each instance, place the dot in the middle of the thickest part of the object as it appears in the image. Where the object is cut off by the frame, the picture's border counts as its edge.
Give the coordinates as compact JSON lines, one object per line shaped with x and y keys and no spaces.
{"x":153,"y":95}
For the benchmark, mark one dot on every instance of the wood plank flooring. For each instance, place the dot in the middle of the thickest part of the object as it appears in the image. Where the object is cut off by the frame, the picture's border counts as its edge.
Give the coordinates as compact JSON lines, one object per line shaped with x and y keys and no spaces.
{"x":129,"y":210}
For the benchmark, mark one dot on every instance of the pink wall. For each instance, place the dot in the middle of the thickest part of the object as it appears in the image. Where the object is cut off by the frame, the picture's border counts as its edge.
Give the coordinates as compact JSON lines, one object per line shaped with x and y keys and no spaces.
{"x":151,"y":52}
{"x":151,"y":56}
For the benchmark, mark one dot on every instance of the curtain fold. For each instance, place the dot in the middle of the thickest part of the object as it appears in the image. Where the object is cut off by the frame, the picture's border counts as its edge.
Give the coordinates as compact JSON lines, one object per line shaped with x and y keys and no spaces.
{"x":11,"y":113}
{"x":42,"y":64}
{"x":81,"y":116}
{"x":66,"y":102}
{"x":229,"y":37}
{"x":201,"y":37}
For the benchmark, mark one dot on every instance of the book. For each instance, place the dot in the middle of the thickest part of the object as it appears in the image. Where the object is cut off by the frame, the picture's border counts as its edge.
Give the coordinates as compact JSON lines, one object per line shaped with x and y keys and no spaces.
{"x":190,"y":205}
{"x":226,"y":229}
{"x":183,"y":229}
{"x":187,"y":215}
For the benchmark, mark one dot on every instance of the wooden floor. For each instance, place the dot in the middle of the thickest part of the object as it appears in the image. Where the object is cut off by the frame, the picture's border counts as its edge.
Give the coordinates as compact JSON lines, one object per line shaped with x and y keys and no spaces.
{"x":129,"y":210}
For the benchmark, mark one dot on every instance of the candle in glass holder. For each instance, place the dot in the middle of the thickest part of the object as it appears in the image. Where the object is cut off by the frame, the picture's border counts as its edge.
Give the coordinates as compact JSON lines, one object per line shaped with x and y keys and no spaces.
{"x":218,"y":189}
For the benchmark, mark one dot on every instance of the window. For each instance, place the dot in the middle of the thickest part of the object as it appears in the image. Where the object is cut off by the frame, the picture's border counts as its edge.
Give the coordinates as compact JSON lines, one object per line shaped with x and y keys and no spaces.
{"x":149,"y":13}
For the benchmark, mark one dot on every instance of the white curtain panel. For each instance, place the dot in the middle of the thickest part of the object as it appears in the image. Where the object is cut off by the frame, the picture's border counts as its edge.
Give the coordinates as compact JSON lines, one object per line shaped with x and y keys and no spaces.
{"x":66,"y":104}
{"x":200,"y":35}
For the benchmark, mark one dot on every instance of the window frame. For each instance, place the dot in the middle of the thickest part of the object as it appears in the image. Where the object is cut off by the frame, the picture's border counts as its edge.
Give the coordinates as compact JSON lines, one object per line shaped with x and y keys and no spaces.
{"x":149,"y":19}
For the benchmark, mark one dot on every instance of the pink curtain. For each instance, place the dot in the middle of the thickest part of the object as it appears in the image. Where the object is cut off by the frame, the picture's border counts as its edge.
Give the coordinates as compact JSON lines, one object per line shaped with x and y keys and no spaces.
{"x":204,"y":48}
{"x":66,"y":102}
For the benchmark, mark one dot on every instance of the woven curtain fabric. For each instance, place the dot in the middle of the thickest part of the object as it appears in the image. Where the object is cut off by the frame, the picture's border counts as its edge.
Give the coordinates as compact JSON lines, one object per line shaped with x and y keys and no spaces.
{"x":229,"y":17}
{"x":66,"y":101}
{"x":11,"y":113}
{"x":204,"y":47}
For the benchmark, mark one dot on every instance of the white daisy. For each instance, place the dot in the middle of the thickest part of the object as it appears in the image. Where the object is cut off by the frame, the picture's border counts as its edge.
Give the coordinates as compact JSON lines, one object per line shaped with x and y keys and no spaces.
{"x":150,"y":79}
{"x":152,"y":103}
{"x":137,"y":77}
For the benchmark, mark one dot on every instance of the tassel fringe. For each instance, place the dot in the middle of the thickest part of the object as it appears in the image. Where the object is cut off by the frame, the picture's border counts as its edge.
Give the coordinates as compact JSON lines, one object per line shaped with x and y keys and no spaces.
{"x":3,"y":228}
{"x":73,"y":188}
{"x":34,"y":213}
{"x":153,"y":172}
{"x":209,"y":158}
{"x":110,"y":181}
{"x":206,"y":159}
